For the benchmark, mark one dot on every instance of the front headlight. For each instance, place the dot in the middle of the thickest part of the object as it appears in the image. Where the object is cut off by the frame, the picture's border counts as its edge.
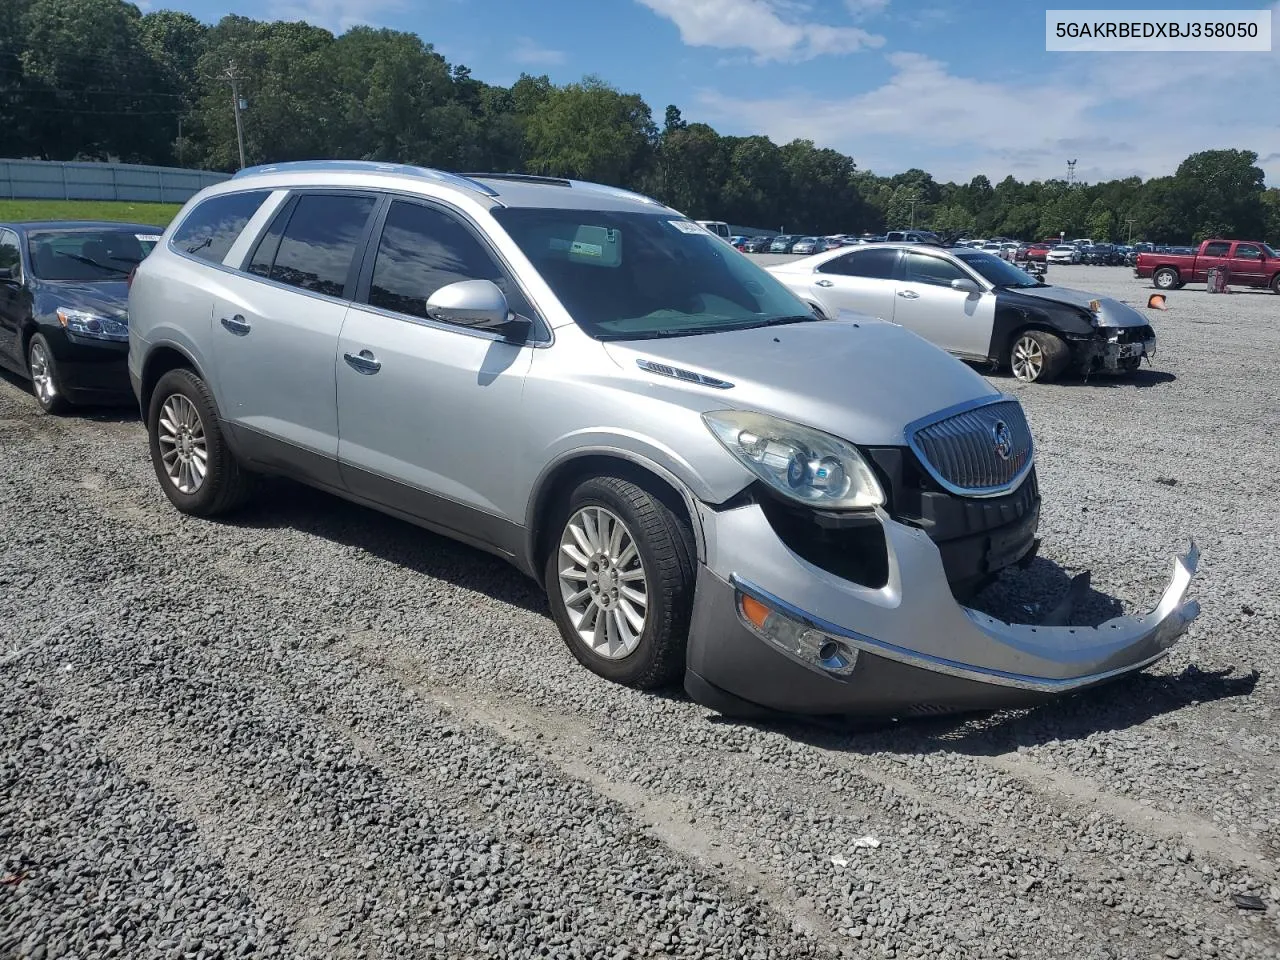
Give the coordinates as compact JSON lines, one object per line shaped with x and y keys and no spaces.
{"x":85,"y":324}
{"x":803,"y":464}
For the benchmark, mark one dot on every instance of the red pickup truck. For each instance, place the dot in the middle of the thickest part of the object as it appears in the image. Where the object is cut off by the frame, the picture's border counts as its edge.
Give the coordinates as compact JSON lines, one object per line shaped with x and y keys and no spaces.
{"x":1249,"y":263}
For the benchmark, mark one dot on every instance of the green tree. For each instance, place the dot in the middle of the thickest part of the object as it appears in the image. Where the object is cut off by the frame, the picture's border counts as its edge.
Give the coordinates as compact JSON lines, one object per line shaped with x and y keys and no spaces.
{"x":591,"y":131}
{"x":1220,"y":193}
{"x":1101,"y":223}
{"x":694,"y":161}
{"x":94,"y":90}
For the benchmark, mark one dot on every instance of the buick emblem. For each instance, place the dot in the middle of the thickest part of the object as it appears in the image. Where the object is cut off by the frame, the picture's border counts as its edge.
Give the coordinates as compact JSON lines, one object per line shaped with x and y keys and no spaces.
{"x":1003,"y":438}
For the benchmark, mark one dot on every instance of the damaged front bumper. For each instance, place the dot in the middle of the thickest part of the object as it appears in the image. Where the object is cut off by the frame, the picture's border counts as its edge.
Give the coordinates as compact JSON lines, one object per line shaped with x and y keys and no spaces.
{"x":772,"y":633}
{"x":1115,"y":350}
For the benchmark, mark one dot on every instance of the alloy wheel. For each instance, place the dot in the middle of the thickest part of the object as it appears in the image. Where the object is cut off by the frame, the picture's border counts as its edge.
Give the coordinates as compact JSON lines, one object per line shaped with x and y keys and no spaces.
{"x":1028,"y":359}
{"x":183,"y":446}
{"x":602,"y":582}
{"x":42,"y":374}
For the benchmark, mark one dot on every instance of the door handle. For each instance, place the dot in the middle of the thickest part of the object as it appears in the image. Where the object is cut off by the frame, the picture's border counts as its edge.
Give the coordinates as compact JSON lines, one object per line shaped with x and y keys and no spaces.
{"x":908,"y":295}
{"x":363,"y":362}
{"x":237,"y":325}
{"x":823,"y":283}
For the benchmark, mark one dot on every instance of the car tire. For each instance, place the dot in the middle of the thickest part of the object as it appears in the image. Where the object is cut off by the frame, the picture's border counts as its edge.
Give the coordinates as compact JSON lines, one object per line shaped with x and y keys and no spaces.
{"x":182,"y":427}
{"x":587,"y":567}
{"x":1166,"y":278}
{"x":1275,"y":283}
{"x":46,"y":382}
{"x":1037,"y":356}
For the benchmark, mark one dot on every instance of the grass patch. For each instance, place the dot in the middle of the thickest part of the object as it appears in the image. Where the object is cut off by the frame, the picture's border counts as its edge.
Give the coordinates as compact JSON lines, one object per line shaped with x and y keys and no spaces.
{"x":158,"y":214}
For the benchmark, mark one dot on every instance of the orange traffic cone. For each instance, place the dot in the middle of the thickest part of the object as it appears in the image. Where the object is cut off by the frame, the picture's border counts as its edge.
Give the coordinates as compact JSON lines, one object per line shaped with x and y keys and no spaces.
{"x":1156,"y":302}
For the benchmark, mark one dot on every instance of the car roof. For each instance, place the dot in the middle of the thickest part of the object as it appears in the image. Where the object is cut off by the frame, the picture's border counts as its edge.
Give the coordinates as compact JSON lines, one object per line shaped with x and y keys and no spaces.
{"x":35,"y":226}
{"x":489,"y":189}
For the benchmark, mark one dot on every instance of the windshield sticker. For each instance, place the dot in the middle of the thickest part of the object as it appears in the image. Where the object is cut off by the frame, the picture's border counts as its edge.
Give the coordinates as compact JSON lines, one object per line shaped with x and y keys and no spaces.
{"x":688,"y":226}
{"x":147,"y":237}
{"x":587,"y":249}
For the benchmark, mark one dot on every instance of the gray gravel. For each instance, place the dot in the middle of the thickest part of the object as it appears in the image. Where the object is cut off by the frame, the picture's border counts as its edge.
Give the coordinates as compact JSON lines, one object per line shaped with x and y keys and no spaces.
{"x":317,"y":732}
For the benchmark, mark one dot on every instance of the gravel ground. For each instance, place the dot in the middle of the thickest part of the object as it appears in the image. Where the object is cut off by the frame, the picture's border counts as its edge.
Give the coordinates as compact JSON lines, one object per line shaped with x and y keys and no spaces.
{"x":317,"y":732}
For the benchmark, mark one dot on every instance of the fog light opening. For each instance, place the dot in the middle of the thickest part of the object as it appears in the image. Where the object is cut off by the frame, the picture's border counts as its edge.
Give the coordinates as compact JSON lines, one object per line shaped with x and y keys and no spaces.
{"x":798,"y":640}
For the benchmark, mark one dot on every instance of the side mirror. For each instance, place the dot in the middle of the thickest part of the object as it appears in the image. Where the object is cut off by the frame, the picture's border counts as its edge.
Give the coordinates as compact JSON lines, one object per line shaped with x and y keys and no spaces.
{"x":965,"y":285}
{"x":479,"y":304}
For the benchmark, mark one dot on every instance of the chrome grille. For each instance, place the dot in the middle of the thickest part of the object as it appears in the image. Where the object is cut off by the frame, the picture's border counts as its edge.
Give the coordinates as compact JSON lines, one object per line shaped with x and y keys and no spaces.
{"x":963,"y":451}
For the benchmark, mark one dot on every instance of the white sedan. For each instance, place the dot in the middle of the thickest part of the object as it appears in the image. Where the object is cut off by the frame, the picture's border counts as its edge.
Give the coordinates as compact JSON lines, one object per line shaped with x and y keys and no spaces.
{"x":1065,"y":253}
{"x":976,"y":306}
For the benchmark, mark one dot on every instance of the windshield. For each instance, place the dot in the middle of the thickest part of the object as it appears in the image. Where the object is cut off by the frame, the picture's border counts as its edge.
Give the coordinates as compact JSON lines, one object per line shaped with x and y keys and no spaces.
{"x":104,"y":254}
{"x":994,"y":270}
{"x":646,"y":275}
{"x":1269,"y":252}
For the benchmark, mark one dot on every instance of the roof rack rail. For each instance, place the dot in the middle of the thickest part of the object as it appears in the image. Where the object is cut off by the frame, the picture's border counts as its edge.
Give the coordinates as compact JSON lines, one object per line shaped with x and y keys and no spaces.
{"x":520,"y":178}
{"x":371,"y":166}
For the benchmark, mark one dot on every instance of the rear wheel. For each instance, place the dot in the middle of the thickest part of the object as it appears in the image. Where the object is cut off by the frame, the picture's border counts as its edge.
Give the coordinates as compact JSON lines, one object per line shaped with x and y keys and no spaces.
{"x":45,"y":381}
{"x":620,"y":582}
{"x":196,"y":469}
{"x":1166,"y":278}
{"x":1037,"y":356}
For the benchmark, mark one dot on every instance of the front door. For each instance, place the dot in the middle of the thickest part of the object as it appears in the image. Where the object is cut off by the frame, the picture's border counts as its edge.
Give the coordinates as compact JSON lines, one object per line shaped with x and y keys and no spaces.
{"x":1247,"y":265}
{"x":429,"y":413}
{"x":14,"y":302}
{"x":276,"y":328}
{"x":926,"y":304}
{"x":1214,"y":255}
{"x":860,"y":281}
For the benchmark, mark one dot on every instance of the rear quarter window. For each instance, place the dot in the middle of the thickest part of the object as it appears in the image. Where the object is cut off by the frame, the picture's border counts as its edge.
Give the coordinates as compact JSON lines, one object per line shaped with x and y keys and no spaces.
{"x":213,"y":226}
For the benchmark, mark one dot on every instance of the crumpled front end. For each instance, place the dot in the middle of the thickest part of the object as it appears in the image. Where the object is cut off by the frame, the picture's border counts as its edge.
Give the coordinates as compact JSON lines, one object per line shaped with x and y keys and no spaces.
{"x":773,"y":632}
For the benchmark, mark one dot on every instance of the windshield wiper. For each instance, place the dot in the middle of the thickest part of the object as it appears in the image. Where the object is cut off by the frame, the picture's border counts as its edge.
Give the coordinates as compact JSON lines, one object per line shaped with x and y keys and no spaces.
{"x":90,"y":261}
{"x":779,"y":321}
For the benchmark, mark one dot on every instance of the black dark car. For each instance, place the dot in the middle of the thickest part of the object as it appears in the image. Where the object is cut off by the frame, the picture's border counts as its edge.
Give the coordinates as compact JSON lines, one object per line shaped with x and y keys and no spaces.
{"x":64,"y":320}
{"x":757,"y":244}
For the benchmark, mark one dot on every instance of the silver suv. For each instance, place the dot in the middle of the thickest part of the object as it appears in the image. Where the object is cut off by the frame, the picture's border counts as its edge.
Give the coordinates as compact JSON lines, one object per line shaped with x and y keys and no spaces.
{"x":710,"y":484}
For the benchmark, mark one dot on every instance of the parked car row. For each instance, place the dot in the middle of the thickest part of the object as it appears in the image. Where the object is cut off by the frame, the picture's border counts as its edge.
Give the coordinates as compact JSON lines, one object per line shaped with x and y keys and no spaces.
{"x":714,"y":472}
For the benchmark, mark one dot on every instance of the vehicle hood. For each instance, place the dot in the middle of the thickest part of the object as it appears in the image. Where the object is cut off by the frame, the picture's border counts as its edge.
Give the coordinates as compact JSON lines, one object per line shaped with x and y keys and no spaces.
{"x":863,"y":380}
{"x":1111,"y":312}
{"x":110,"y":297}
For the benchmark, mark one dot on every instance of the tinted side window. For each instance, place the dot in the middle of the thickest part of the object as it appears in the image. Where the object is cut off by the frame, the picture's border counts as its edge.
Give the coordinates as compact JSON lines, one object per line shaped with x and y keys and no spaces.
{"x":874,"y":264}
{"x":1247,"y":251}
{"x":423,"y":249}
{"x":9,"y":256}
{"x":919,"y":268}
{"x":320,"y":242}
{"x":264,"y":255}
{"x":212,"y":227}
{"x":1217,"y":249}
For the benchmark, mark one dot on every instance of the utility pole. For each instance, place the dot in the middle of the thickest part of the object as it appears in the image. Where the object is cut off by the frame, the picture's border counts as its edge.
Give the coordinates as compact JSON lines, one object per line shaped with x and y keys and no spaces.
{"x":1130,"y":222}
{"x":234,"y":76}
{"x":913,"y":201}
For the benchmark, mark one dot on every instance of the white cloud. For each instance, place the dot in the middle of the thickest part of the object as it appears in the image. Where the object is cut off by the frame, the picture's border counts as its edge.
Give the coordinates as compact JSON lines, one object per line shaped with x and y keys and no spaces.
{"x":866,"y":8}
{"x":530,"y":53}
{"x":1109,"y":111}
{"x":768,"y":28}
{"x":336,"y":15}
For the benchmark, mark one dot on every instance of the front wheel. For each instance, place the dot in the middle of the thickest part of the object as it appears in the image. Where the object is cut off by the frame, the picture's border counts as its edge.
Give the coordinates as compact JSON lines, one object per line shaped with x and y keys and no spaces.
{"x":196,"y":469}
{"x":1166,"y":278}
{"x":1037,"y":356}
{"x":45,"y":381}
{"x":1275,"y":283}
{"x":620,"y":582}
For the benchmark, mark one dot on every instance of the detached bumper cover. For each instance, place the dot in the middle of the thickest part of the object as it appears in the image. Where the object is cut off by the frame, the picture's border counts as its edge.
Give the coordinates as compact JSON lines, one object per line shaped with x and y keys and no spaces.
{"x":905,"y":648}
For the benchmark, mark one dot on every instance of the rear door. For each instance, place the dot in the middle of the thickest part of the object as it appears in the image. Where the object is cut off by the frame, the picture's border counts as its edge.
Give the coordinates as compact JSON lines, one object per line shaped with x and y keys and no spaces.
{"x":861,"y":281}
{"x":275,"y":331}
{"x":15,"y":302}
{"x":1213,"y":255}
{"x":429,"y":412}
{"x":1247,"y":265}
{"x":926,"y":304}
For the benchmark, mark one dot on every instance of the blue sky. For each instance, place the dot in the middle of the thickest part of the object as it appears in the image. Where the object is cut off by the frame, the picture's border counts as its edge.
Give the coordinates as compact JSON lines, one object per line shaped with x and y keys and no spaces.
{"x":956,"y":87}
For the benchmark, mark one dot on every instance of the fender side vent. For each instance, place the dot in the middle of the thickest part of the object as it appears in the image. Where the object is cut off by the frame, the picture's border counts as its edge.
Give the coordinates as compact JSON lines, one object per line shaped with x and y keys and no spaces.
{"x":676,"y":373}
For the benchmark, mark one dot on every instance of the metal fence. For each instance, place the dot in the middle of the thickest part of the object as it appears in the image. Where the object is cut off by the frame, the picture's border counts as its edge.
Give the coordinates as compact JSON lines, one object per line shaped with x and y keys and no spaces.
{"x":58,"y":180}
